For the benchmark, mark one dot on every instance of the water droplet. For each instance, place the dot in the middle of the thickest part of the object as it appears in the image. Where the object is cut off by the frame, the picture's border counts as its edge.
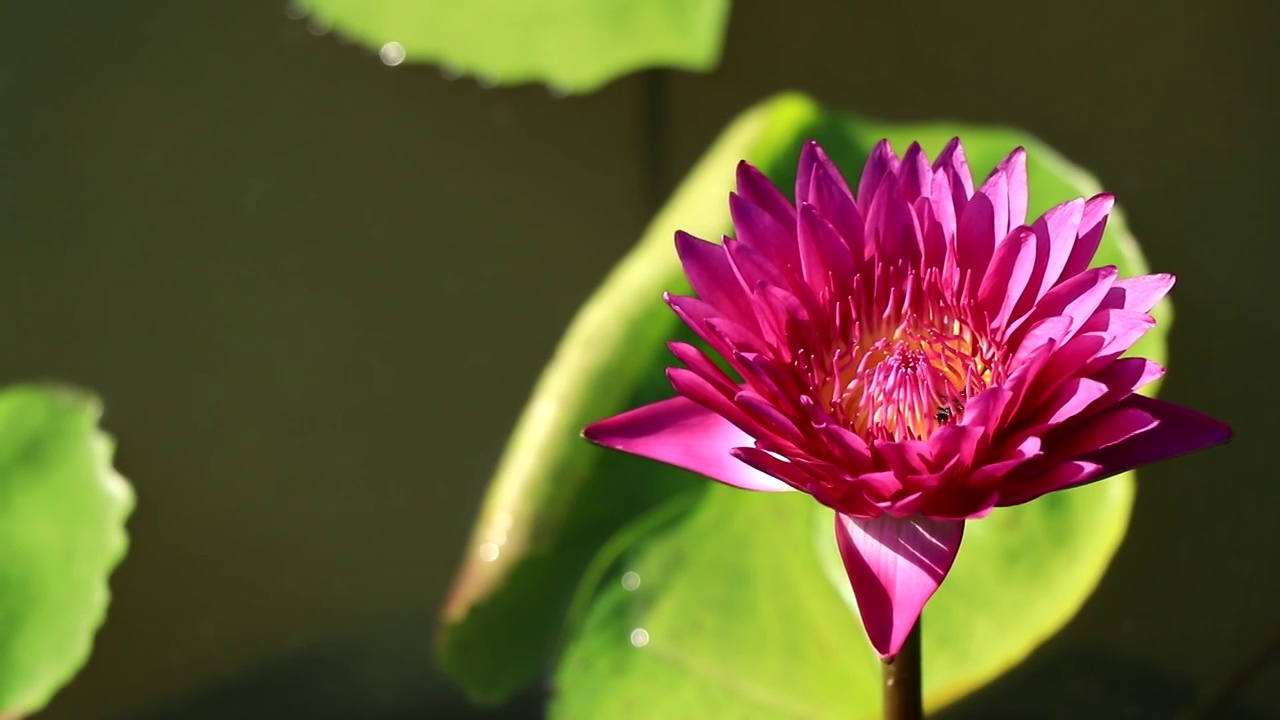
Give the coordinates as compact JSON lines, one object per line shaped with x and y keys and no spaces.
{"x":450,"y":72}
{"x":489,"y":552}
{"x":557,"y":91}
{"x":294,"y":10}
{"x":317,"y":27}
{"x":486,"y":82}
{"x":503,"y":520}
{"x":391,"y":54}
{"x":639,"y":637}
{"x":630,"y":580}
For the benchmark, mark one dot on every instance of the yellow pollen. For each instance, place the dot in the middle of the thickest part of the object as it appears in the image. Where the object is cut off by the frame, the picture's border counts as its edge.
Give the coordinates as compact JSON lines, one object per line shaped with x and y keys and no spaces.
{"x":906,"y":383}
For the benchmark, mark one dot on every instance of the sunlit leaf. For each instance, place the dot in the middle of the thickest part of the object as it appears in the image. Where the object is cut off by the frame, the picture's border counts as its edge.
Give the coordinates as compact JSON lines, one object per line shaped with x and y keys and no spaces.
{"x":554,"y":499}
{"x":62,"y":515}
{"x":573,"y":45}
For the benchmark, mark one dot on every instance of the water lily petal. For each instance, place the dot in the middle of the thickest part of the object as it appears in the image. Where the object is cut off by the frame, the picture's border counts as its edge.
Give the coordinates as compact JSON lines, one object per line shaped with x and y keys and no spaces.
{"x":1139,"y":293}
{"x":952,"y":164}
{"x":707,"y":266}
{"x":1093,"y":222}
{"x":682,"y":433}
{"x":756,"y":189}
{"x":1175,"y":431}
{"x":762,"y":232}
{"x":894,"y":566}
{"x":824,"y":257}
{"x":881,"y":162}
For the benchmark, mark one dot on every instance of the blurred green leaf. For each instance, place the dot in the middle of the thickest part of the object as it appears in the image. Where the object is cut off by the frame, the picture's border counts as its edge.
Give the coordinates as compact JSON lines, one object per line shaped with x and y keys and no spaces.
{"x":62,"y":515}
{"x":730,"y":612}
{"x":575,"y":46}
{"x":555,"y":499}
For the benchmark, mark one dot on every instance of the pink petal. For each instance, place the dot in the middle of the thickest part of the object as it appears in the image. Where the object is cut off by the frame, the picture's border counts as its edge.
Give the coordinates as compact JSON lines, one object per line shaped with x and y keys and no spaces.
{"x":1177,"y":430}
{"x":814,"y":163}
{"x":697,"y":361}
{"x":706,"y":394}
{"x":889,"y":227}
{"x":754,"y":267}
{"x":1139,"y":293}
{"x":1076,"y":299}
{"x":764,"y":413}
{"x":952,"y":164}
{"x":904,"y":457}
{"x":830,"y":196}
{"x":1007,"y":277}
{"x":894,"y":566}
{"x":757,"y":190}
{"x":914,"y":174}
{"x":711,"y":274}
{"x":1128,"y":375}
{"x":975,"y":238}
{"x":721,"y":333}
{"x":795,"y":475}
{"x":1007,"y":181}
{"x":824,"y":257}
{"x":1015,"y":169}
{"x":881,"y":162}
{"x":1174,"y":430}
{"x":756,"y":228}
{"x":1069,"y":400}
{"x":933,"y":237}
{"x":682,"y":433}
{"x":1055,"y":237}
{"x":1093,"y":222}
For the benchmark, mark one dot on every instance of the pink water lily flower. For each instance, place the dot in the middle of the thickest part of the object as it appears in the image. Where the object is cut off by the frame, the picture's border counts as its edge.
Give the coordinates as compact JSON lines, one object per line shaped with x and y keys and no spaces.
{"x":911,"y":354}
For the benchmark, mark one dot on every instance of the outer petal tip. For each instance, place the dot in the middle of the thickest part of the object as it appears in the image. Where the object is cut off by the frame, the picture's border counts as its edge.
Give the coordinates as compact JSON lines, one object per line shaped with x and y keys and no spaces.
{"x":894,"y":566}
{"x":682,"y":433}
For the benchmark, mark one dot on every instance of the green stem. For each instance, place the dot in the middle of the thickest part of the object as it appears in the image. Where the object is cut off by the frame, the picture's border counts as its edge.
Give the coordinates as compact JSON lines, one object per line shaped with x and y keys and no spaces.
{"x":902,"y":692}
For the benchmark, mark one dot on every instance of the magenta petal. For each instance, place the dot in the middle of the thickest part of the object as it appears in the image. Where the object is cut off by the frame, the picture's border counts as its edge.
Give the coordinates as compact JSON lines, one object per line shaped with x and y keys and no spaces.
{"x":1176,"y":431}
{"x":975,"y":238}
{"x":711,"y":274}
{"x":762,"y":232}
{"x":824,"y":257}
{"x":915,"y":177}
{"x":894,"y":566}
{"x":1093,"y":221}
{"x":814,"y":163}
{"x":1139,"y":293}
{"x":952,"y":164}
{"x":881,"y":162}
{"x":1007,"y":277}
{"x":1056,"y":232}
{"x":682,"y":433}
{"x":757,"y":190}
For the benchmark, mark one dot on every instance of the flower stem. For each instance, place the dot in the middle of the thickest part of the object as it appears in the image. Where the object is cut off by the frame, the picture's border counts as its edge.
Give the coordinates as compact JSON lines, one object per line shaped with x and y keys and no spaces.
{"x":902,"y":695}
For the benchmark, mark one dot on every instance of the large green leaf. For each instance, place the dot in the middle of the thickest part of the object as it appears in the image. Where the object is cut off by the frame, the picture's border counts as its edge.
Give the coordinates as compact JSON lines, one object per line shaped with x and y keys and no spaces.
{"x":62,"y":515}
{"x":555,"y":500}
{"x":734,"y":609}
{"x":573,"y":45}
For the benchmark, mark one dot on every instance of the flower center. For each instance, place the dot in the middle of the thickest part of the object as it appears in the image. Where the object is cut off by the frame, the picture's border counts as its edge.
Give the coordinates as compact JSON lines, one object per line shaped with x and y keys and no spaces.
{"x":905,"y":383}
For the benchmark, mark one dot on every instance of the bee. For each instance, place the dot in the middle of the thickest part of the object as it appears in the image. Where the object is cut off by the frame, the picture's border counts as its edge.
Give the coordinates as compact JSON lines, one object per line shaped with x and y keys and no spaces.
{"x":945,"y":413}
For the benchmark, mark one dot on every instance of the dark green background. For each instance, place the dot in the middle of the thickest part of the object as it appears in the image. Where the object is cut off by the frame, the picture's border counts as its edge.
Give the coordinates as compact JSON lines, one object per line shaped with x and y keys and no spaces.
{"x":315,"y":291}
